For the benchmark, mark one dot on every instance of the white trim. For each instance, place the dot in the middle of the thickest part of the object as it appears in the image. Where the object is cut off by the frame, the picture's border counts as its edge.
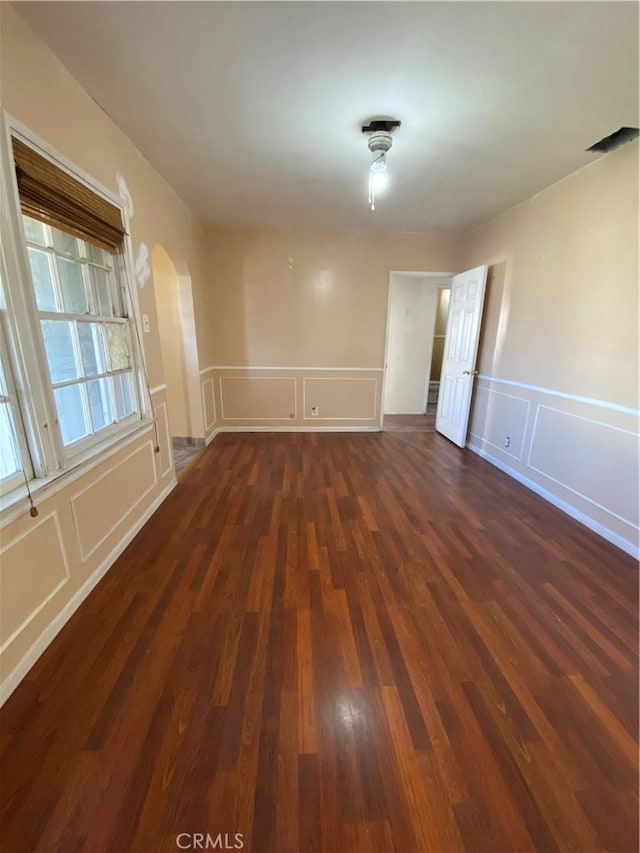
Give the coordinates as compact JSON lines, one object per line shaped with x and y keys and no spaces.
{"x":442,"y":286}
{"x":564,"y":485}
{"x":298,"y":369}
{"x":67,"y":573}
{"x":164,"y":473}
{"x":626,"y":545}
{"x":373,"y":379}
{"x":219,"y":429}
{"x":127,"y":512}
{"x":590,"y":401}
{"x":207,"y":426}
{"x":209,"y":438}
{"x":418,"y":274}
{"x":17,"y":503}
{"x":157,"y":389}
{"x":14,"y":678}
{"x":524,"y":428}
{"x":266,"y":378}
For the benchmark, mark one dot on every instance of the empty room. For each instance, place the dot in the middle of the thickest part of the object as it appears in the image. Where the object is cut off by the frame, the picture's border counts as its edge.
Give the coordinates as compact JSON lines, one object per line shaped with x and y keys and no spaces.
{"x":319,"y":424}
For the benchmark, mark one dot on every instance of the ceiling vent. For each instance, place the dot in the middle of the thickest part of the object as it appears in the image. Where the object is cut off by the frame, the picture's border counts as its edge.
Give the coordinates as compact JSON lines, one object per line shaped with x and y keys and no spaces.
{"x":615,"y":140}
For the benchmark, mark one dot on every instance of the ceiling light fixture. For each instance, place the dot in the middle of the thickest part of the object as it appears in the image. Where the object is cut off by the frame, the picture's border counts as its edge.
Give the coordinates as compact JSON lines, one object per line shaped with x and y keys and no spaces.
{"x":379,"y":142}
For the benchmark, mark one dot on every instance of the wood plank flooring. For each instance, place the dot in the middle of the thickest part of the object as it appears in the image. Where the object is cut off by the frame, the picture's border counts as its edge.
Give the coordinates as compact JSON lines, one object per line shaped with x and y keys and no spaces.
{"x":338,"y":642}
{"x":410,"y":423}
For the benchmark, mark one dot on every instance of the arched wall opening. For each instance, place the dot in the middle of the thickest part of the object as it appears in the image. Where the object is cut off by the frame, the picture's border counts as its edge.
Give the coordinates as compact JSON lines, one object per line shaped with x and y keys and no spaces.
{"x":176,"y":332}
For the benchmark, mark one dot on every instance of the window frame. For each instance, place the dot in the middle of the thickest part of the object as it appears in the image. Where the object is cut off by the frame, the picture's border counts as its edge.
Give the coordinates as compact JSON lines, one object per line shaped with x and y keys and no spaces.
{"x":48,"y":459}
{"x":77,"y":447}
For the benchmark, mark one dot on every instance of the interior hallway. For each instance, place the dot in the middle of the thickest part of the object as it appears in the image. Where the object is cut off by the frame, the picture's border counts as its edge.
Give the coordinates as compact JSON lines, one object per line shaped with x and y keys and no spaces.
{"x":338,"y":642}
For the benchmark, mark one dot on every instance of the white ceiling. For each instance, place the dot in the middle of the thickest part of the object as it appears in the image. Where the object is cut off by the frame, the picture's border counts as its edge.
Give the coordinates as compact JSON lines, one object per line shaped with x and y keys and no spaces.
{"x":252,"y":111}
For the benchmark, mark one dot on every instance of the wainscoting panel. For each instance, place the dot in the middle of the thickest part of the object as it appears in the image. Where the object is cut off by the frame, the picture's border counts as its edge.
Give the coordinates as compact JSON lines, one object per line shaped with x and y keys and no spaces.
{"x":24,"y":596}
{"x":589,"y":457}
{"x":99,"y":508}
{"x":208,"y":404}
{"x":281,"y":398}
{"x":503,"y":418}
{"x":578,"y":453}
{"x":165,"y":460}
{"x":258,"y":398}
{"x":338,"y":398}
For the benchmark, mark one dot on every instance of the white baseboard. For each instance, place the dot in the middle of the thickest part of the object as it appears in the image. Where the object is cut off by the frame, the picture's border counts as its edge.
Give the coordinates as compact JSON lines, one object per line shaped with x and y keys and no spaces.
{"x":14,"y":678}
{"x":624,"y":544}
{"x":212,"y":435}
{"x":209,"y":438}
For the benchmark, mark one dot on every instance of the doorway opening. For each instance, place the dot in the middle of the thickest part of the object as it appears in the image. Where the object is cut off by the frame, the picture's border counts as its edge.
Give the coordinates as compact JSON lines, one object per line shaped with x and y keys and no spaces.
{"x":442,"y":312}
{"x":416,"y":324}
{"x":173,"y":295}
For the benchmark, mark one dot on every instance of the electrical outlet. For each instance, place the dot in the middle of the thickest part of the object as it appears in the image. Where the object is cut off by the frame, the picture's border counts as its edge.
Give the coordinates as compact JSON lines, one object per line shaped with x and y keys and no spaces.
{"x":145,"y":324}
{"x":507,"y":441}
{"x":314,"y":411}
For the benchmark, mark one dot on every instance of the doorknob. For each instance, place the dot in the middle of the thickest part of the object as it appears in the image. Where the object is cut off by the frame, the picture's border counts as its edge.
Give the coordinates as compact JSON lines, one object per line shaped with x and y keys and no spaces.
{"x":469,"y":372}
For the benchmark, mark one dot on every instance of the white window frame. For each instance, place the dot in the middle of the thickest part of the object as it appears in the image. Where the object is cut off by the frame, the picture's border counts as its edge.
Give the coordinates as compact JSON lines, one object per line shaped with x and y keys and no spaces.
{"x":48,"y":458}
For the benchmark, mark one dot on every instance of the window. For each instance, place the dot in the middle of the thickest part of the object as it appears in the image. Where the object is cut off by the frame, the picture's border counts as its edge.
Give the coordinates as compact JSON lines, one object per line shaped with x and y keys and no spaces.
{"x":71,"y":376}
{"x":86,"y":334}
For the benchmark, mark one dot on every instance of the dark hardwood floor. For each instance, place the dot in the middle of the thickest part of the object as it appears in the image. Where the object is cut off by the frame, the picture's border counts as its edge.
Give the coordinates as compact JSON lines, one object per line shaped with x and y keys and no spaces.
{"x":410,"y":423}
{"x":370,"y":642}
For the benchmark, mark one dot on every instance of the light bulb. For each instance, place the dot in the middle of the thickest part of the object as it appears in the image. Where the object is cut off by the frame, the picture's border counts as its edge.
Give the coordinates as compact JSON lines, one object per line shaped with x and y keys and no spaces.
{"x":379,"y":180}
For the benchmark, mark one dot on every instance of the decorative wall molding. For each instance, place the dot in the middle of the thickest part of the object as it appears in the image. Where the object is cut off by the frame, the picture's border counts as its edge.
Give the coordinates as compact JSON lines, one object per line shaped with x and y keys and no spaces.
{"x":64,"y":580}
{"x":208,"y":424}
{"x":167,"y":432}
{"x":293,"y":369}
{"x":505,"y":450}
{"x":541,"y":454}
{"x":86,"y":554}
{"x":12,"y":680}
{"x":48,"y":487}
{"x":157,"y":389}
{"x":291,"y":379}
{"x":373,"y":379}
{"x":548,"y":476}
{"x":590,"y":401}
{"x":629,"y":547}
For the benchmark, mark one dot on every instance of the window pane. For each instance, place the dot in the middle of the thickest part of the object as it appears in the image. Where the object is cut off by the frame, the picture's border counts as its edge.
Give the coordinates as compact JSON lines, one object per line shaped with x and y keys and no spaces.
{"x":64,"y":243}
{"x":98,"y":256}
{"x":34,"y":231}
{"x":71,"y":416}
{"x":124,"y":395}
{"x":100,"y":403}
{"x":92,"y":348}
{"x":58,"y":343}
{"x":118,"y":347}
{"x":72,"y":286}
{"x":9,"y":453}
{"x":105,"y":292}
{"x":42,"y":279}
{"x":4,"y":391}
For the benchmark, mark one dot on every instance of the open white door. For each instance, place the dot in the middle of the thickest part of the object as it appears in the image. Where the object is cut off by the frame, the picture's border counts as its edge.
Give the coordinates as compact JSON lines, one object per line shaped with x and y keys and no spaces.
{"x":460,"y":350}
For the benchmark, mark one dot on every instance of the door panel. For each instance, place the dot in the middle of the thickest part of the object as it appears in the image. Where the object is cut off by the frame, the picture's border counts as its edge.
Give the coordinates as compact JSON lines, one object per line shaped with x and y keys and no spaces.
{"x":460,"y":348}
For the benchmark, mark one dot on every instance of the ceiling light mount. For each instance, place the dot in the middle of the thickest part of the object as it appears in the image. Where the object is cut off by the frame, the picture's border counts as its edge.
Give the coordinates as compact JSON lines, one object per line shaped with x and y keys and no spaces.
{"x":379,"y":143}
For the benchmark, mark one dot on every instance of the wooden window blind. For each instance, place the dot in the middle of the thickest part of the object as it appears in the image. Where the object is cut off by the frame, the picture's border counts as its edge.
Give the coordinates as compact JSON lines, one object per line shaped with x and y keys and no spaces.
{"x":51,"y":195}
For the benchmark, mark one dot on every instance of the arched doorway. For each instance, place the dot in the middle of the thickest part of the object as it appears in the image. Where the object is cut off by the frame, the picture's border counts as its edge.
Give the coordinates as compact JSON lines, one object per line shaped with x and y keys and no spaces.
{"x":170,"y":329}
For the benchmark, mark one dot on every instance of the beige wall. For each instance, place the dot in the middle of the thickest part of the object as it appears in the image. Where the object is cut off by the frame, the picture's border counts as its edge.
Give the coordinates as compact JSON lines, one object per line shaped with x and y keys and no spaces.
{"x":309,"y":299}
{"x":559,"y":351}
{"x":50,"y":563}
{"x":314,"y":303}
